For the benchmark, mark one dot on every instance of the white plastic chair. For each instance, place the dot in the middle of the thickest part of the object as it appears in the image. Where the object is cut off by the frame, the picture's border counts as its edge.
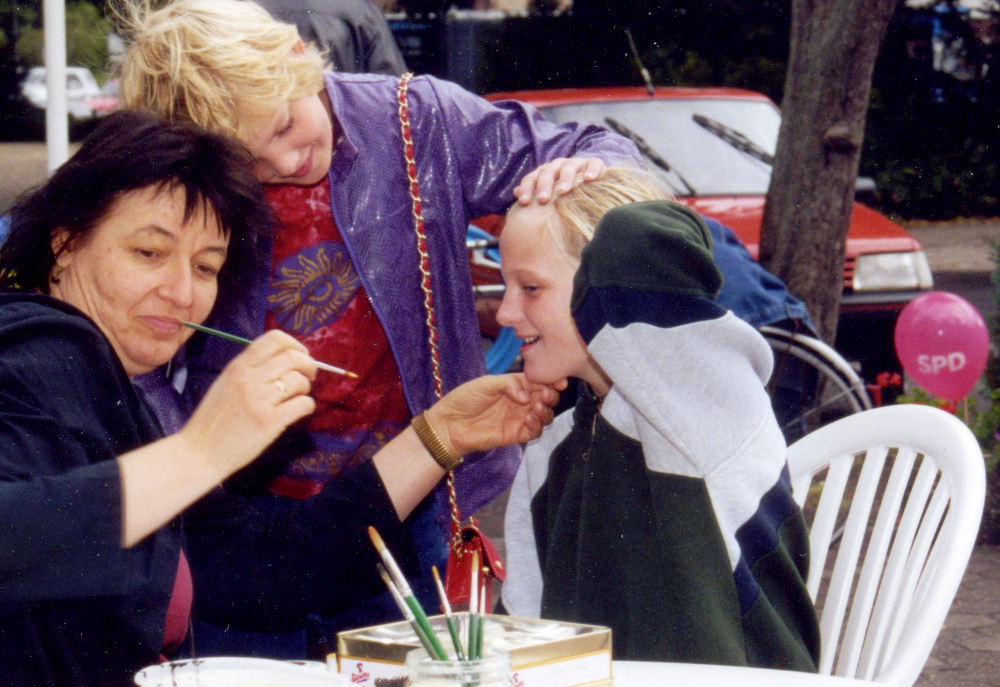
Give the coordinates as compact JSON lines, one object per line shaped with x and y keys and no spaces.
{"x":911,"y":524}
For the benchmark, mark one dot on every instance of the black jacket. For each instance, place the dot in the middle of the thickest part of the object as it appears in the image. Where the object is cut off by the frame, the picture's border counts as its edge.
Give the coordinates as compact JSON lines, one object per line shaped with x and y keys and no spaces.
{"x":76,"y":608}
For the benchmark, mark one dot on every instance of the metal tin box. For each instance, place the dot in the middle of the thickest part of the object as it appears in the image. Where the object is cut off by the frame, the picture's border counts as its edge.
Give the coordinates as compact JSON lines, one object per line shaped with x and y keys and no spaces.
{"x":543,"y":653}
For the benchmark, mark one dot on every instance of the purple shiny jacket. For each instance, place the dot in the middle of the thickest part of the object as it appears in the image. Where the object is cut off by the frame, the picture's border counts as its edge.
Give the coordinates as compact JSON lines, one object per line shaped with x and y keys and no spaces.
{"x":470,"y":155}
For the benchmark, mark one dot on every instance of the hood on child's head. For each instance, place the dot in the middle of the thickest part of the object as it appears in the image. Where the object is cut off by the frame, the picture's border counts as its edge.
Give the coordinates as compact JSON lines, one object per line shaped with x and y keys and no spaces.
{"x":659,"y":245}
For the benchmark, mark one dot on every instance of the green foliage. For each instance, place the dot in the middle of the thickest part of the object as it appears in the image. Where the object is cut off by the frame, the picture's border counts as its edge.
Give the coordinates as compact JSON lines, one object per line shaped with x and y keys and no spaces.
{"x":746,"y":47}
{"x":18,"y":14}
{"x":678,"y":67}
{"x":675,"y":67}
{"x":980,"y":411}
{"x":758,"y":74}
{"x":931,"y":143}
{"x":931,"y":161}
{"x":963,"y":182}
{"x":86,"y":39}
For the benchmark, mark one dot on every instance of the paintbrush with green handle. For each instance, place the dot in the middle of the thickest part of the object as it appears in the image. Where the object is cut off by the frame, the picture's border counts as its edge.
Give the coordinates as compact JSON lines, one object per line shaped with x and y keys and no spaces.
{"x":246,"y":342}
{"x":404,"y":589}
{"x":405,"y":610}
{"x":450,"y":619}
{"x":474,"y":618}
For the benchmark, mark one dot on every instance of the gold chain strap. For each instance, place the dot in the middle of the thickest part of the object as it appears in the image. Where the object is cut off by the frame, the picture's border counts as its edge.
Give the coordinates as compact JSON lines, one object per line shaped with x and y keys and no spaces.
{"x":425,"y":283}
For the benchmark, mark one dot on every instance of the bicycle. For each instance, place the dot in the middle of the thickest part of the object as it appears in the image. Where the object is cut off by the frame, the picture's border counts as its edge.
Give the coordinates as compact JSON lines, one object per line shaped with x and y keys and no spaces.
{"x":833,"y":388}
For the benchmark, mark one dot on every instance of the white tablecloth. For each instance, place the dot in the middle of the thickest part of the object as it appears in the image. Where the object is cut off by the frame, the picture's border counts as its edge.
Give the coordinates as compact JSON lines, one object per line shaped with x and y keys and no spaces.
{"x":649,"y":674}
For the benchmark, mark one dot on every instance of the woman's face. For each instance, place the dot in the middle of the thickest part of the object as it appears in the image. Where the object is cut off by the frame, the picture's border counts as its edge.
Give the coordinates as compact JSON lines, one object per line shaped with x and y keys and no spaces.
{"x":296,"y":145}
{"x":143,"y":270}
{"x":538,"y":275}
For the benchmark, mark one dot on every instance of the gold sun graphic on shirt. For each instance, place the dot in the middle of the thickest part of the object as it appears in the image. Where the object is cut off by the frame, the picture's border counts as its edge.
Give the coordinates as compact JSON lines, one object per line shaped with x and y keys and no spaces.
{"x":312,"y":288}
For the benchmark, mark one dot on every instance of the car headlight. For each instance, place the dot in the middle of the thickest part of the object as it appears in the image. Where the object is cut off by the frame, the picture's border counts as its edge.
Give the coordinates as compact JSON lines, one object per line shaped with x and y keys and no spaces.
{"x":892,"y":272}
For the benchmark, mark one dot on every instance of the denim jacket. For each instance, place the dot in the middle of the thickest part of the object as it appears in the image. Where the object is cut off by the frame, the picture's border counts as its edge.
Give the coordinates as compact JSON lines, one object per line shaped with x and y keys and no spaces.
{"x":751,"y":292}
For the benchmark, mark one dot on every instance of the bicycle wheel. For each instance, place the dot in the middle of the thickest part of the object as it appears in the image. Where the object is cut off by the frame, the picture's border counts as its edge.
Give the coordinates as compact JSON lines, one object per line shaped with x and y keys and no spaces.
{"x":812,"y":385}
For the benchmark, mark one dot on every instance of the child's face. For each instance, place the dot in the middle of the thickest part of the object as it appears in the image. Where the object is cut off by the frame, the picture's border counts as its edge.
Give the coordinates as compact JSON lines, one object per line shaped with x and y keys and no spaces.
{"x":296,"y":145}
{"x":539,"y":277}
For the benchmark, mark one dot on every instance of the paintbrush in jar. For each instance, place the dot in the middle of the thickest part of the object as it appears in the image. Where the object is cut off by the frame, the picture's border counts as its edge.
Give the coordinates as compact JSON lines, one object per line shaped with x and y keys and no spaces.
{"x":450,"y":619}
{"x":481,"y":625}
{"x":404,"y":590}
{"x":405,"y":610}
{"x":474,"y":607}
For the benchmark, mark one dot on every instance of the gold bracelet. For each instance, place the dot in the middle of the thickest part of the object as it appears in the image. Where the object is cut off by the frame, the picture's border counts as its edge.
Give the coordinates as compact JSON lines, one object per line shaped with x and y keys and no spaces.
{"x":432,"y":442}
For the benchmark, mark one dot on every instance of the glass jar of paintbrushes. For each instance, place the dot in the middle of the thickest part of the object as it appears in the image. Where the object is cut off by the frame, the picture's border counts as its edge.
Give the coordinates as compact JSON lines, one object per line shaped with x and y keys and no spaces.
{"x":434,"y":666}
{"x":492,"y":669}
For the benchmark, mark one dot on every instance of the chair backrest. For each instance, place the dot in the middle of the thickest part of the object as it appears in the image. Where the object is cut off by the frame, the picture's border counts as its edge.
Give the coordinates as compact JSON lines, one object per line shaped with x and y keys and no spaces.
{"x":919,"y":486}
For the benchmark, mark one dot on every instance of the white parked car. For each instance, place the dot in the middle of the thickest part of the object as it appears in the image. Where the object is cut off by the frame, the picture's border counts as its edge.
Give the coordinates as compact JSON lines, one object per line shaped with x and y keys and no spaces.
{"x":81,"y":86}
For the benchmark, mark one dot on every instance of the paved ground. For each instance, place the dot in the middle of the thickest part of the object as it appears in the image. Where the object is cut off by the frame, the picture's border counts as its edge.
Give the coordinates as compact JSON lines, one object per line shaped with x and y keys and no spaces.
{"x":967,"y":653}
{"x":22,"y":165}
{"x":961,"y":257}
{"x":957,"y":247}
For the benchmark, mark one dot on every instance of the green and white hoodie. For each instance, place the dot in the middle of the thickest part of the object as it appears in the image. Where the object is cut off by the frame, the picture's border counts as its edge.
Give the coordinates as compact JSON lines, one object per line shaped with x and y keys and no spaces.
{"x":664,"y":512}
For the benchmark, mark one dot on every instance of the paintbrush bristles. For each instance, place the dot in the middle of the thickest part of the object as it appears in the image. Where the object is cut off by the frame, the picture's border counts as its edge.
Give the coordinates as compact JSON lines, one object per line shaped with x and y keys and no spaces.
{"x":440,"y":587}
{"x":474,"y":584}
{"x":335,"y":369}
{"x":376,"y":539}
{"x":390,"y":563}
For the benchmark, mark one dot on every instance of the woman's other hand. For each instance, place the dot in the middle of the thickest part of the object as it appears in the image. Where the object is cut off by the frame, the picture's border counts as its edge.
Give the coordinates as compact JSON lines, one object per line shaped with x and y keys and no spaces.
{"x":491,"y":411}
{"x":259,"y":393}
{"x":556,"y":178}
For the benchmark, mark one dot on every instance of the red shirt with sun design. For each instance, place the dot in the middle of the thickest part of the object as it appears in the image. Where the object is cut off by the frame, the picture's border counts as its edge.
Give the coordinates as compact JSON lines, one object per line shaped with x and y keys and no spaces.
{"x":316,"y":296}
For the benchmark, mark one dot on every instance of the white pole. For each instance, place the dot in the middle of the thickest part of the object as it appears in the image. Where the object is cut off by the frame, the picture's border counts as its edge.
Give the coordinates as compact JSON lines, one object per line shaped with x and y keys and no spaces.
{"x":56,"y":115}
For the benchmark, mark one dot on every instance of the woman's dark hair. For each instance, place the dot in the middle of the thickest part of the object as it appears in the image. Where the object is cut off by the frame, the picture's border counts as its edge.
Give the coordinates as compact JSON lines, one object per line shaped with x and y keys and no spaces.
{"x":129,"y":151}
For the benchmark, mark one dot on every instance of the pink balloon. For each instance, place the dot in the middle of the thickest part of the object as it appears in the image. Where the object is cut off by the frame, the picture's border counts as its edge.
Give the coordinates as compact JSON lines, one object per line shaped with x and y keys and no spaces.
{"x":942,"y":341}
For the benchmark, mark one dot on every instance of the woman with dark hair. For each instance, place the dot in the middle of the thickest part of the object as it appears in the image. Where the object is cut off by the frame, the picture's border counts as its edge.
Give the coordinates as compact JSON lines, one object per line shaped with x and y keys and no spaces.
{"x":210,"y":169}
{"x":135,"y":235}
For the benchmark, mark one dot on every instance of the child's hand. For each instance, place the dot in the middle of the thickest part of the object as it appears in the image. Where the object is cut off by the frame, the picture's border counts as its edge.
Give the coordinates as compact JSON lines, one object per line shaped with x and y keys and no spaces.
{"x":556,"y":178}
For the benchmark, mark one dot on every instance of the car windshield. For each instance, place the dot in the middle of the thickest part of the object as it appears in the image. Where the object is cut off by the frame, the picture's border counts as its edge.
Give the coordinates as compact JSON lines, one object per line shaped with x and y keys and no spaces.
{"x":711,"y":165}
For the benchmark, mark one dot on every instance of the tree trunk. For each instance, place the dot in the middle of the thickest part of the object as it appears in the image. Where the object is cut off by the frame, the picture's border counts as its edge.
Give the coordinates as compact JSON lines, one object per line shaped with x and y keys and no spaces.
{"x":833,"y":47}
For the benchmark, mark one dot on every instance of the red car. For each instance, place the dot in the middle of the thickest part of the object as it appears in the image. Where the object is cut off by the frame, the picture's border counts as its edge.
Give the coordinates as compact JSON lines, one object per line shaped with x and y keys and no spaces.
{"x":713,"y":147}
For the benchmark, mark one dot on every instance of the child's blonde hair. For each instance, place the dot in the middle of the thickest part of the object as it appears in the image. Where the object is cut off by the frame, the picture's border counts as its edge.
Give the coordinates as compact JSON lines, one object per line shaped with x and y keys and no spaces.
{"x":225,"y":65}
{"x":586,"y":202}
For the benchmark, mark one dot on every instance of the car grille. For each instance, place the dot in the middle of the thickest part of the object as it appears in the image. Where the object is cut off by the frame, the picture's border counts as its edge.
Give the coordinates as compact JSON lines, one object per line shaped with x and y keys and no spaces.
{"x":848,"y":274}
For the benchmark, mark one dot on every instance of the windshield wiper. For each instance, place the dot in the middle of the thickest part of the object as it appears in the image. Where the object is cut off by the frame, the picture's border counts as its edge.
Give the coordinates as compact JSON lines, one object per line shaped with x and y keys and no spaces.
{"x":648,"y":152}
{"x":734,"y":138}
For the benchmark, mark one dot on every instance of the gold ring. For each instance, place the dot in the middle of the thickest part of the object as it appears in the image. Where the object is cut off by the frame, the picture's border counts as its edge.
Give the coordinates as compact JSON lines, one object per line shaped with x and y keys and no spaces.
{"x":282,"y":388}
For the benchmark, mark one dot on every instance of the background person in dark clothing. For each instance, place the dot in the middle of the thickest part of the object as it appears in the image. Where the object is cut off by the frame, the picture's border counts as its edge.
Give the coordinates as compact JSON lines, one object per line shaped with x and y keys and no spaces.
{"x":353,"y":34}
